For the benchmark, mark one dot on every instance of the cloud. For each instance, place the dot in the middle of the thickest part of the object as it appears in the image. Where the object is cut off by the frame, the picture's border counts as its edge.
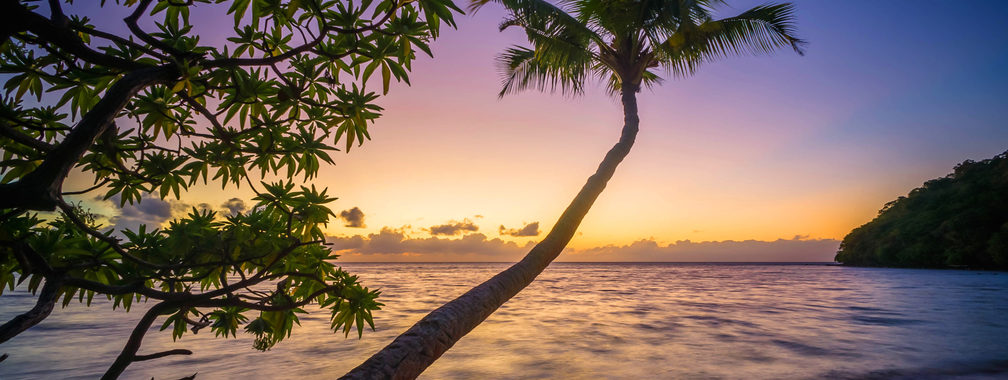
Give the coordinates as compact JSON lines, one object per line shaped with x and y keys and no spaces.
{"x":150,"y":211}
{"x":797,"y":249}
{"x":234,"y":206}
{"x":531,"y":229}
{"x":154,"y":212}
{"x":396,"y":245}
{"x":354,"y":217}
{"x":453,"y":228}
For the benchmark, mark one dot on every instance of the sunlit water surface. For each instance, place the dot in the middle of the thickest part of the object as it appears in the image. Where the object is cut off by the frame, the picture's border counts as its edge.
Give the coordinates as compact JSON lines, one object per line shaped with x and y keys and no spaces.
{"x":597,"y":321}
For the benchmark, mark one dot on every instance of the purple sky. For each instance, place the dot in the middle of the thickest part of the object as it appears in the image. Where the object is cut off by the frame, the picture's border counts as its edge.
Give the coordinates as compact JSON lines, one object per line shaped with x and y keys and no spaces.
{"x":890,"y":94}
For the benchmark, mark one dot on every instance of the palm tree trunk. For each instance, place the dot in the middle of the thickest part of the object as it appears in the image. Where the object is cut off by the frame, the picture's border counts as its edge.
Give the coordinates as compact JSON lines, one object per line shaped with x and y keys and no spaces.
{"x":417,"y":348}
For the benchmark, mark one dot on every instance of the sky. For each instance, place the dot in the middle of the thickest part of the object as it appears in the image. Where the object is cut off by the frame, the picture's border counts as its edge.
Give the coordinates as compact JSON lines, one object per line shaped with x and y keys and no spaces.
{"x":765,"y":158}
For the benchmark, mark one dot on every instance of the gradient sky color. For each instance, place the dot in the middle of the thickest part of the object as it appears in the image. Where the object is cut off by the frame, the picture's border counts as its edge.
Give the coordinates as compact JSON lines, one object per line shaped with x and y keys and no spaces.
{"x":889,"y":94}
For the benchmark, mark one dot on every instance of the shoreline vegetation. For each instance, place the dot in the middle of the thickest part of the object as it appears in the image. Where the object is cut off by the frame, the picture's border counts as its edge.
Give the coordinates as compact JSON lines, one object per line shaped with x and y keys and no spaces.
{"x":959,"y":221}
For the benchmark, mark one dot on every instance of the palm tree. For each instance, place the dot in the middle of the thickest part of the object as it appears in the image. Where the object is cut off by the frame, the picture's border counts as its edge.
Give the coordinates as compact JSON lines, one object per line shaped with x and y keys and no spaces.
{"x":620,"y":42}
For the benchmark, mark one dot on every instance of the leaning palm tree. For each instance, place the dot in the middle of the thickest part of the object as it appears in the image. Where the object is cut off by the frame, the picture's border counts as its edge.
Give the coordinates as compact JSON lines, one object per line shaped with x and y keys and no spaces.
{"x":621,"y":43}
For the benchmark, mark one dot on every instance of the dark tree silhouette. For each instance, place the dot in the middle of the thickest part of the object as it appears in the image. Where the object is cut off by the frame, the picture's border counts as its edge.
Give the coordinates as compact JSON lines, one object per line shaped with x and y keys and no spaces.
{"x":959,"y":221}
{"x":157,"y":110}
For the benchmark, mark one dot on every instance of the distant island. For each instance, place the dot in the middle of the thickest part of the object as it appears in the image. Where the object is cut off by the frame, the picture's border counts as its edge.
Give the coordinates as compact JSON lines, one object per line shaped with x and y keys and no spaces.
{"x":958,"y":221}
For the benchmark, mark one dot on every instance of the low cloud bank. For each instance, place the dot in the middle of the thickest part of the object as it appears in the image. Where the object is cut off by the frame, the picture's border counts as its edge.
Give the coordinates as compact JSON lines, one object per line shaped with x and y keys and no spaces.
{"x":454,"y":228}
{"x":396,"y":245}
{"x":531,"y":229}
{"x":392,"y":244}
{"x":797,"y":249}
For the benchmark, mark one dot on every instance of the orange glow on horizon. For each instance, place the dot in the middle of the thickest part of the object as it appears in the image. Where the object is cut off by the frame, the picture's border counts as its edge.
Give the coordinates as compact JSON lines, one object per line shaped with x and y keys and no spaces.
{"x":760,"y":148}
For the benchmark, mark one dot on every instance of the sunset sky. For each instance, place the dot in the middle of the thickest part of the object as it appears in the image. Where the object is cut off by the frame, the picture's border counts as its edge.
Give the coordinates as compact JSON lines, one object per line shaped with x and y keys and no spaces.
{"x":785,"y":152}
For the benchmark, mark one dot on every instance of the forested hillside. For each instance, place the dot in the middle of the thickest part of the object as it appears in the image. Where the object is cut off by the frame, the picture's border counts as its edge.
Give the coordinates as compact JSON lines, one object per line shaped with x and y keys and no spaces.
{"x":960,"y":220}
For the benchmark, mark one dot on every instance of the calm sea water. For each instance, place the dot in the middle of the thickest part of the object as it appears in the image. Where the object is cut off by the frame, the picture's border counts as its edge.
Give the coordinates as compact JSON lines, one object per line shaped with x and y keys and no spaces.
{"x":729,"y":321}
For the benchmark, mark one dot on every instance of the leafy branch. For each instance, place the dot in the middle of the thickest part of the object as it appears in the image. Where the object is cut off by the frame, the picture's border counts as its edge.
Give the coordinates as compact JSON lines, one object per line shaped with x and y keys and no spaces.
{"x":156,"y":111}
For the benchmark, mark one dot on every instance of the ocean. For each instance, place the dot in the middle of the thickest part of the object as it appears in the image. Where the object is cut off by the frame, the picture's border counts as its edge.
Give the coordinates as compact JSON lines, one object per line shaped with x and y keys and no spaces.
{"x":595,"y":320}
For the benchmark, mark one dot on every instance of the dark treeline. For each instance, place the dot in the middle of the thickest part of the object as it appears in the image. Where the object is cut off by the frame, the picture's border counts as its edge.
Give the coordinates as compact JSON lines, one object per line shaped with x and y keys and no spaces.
{"x":960,"y":220}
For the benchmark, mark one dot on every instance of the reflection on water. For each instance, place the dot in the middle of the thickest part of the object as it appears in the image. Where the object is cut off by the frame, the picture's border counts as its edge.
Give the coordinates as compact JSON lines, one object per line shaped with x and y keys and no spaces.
{"x":599,"y":320}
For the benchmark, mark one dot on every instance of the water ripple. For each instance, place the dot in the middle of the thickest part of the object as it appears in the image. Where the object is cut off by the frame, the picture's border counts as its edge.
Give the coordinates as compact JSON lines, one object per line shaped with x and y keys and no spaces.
{"x":588,"y":321}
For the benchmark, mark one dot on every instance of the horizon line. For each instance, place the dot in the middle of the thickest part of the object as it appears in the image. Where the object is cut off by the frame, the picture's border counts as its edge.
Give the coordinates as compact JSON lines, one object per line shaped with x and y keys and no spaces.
{"x":605,"y":262}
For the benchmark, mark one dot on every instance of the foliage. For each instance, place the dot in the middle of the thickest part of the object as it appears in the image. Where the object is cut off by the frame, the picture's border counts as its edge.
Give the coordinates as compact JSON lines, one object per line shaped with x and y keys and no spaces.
{"x":622,"y":42}
{"x":151,"y":108}
{"x":960,"y":220}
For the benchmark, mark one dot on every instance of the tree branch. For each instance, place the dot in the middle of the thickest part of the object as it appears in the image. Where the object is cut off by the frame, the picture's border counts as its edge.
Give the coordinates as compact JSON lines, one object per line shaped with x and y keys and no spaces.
{"x":90,"y":189}
{"x":56,"y":11}
{"x":122,"y":41}
{"x":128,"y":354}
{"x":209,"y":116}
{"x":66,"y":39}
{"x":140,"y":358}
{"x":135,"y":287}
{"x":226,"y":62}
{"x":43,"y":306}
{"x":131,"y":22}
{"x":260,"y":307}
{"x":24,"y":139}
{"x":40,"y":189}
{"x":31,"y":262}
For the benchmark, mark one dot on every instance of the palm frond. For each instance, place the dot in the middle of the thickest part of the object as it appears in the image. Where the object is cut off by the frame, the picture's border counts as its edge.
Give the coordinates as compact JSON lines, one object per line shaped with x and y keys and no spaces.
{"x":523,"y":69}
{"x":612,"y":41}
{"x":563,"y":48}
{"x":663,"y":17}
{"x":760,"y":30}
{"x":559,"y":46}
{"x":541,"y":15}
